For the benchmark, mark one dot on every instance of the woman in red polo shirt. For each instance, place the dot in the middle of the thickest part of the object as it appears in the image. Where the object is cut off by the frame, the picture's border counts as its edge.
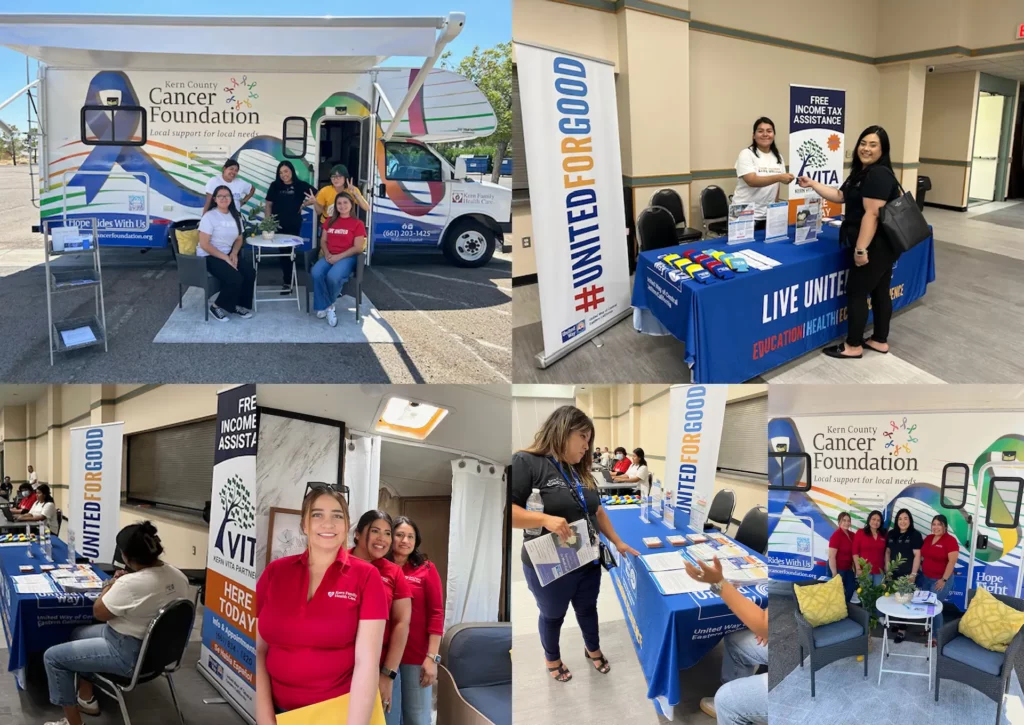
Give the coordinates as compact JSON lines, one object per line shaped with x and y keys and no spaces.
{"x":372,"y":544}
{"x":419,"y":664}
{"x":342,"y":240}
{"x":939,"y":553}
{"x":869,"y":543}
{"x":320,"y":620}
{"x":840,"y":554}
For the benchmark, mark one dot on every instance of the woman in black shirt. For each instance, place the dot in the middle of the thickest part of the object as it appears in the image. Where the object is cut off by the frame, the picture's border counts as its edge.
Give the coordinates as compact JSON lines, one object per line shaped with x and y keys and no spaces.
{"x":869,"y":186}
{"x":904,"y":540}
{"x":286,"y":198}
{"x":558,"y":466}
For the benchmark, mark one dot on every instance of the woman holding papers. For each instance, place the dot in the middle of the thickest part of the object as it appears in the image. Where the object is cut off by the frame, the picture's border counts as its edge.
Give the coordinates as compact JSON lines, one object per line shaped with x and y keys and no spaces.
{"x":903,"y":540}
{"x":426,"y":624}
{"x":939,"y":552}
{"x":372,"y":544}
{"x":555,"y":467}
{"x":869,"y":543}
{"x":870,"y":185}
{"x":840,"y":554}
{"x":125,"y":608}
{"x":320,"y":620}
{"x":637,"y":472}
{"x":759,"y":171}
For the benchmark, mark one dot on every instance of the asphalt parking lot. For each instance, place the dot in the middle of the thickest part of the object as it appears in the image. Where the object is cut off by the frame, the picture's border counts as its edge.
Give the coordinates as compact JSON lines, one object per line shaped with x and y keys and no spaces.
{"x":455,"y":324}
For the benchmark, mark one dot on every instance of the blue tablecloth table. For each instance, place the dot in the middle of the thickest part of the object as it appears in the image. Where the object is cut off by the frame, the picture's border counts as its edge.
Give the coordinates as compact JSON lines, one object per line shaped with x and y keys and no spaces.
{"x":739,"y":328}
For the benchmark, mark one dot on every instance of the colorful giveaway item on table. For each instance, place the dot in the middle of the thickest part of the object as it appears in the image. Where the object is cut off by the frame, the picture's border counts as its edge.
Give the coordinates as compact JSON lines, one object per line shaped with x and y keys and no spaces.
{"x":719,"y":270}
{"x":736,"y":264}
{"x":699,"y":274}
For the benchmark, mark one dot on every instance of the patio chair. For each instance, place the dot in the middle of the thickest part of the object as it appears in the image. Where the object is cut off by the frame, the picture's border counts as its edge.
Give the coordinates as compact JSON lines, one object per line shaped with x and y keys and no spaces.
{"x":961,"y":659}
{"x":474,"y":683}
{"x":192,"y":271}
{"x":353,"y":287}
{"x":832,"y":642}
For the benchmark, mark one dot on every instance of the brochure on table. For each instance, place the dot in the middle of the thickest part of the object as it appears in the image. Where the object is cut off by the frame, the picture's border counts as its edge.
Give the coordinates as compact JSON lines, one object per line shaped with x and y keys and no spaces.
{"x":741,"y":223}
{"x":669,"y":573}
{"x":553,"y":558}
{"x":808,"y":221}
{"x":776,"y":222}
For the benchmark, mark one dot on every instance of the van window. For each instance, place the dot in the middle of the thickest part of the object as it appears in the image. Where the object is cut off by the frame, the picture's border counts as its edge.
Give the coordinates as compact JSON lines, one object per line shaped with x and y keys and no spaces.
{"x":411,"y":162}
{"x":293,"y":137}
{"x":113,"y":125}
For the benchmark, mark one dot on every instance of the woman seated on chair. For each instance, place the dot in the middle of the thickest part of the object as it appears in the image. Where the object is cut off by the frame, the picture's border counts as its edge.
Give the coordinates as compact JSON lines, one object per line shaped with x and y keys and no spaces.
{"x":25,"y":500}
{"x":637,"y":472}
{"x":44,"y":509}
{"x":622,"y":462}
{"x":342,"y":239}
{"x":125,"y":607}
{"x":220,"y":241}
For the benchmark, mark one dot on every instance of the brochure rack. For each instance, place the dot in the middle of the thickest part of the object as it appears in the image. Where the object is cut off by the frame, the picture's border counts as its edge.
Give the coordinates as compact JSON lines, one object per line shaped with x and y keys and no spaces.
{"x":77,"y":332}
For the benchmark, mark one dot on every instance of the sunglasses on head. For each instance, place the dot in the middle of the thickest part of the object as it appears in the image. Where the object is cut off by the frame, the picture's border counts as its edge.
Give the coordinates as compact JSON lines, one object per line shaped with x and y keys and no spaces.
{"x":321,"y":486}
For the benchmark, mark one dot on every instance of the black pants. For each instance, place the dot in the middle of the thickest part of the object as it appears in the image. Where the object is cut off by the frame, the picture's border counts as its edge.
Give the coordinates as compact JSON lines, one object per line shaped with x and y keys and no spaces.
{"x":870,"y":280}
{"x":293,"y":227}
{"x":235,"y":284}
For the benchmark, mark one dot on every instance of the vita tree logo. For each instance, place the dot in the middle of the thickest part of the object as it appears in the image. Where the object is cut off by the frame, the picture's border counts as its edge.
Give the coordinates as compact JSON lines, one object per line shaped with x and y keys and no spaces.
{"x":238,"y":508}
{"x":813,"y":160}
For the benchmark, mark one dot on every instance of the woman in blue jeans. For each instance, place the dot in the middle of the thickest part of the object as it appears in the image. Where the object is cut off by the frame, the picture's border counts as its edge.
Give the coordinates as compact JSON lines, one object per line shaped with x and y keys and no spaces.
{"x":343,"y":237}
{"x":939,"y":553}
{"x":125,"y":608}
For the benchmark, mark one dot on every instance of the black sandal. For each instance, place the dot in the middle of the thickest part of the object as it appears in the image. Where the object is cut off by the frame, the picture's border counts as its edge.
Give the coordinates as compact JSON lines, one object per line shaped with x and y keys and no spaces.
{"x":600,"y":663}
{"x":563,"y":674}
{"x":899,"y":636}
{"x":874,"y":349}
{"x":838,"y":351}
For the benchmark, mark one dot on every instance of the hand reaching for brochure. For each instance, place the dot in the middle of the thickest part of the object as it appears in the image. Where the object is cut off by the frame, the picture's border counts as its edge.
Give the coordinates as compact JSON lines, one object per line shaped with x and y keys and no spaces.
{"x":805,"y":181}
{"x":558,"y":525}
{"x":706,"y":574}
{"x":625,"y":548}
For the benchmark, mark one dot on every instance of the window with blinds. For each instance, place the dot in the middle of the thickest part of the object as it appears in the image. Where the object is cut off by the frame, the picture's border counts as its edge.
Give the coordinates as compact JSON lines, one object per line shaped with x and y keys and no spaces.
{"x":744,"y":447}
{"x":173,"y":466}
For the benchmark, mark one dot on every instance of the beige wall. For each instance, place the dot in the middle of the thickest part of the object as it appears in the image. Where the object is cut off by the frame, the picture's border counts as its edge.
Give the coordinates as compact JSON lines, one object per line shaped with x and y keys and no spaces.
{"x":593,"y":33}
{"x":947,"y":133}
{"x":918,"y":25}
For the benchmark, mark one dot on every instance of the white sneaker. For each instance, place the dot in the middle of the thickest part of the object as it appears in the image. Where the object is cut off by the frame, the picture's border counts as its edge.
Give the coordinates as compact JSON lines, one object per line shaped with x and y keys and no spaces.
{"x":89,"y":707}
{"x":321,"y":314}
{"x":332,"y":317}
{"x":62,"y":721}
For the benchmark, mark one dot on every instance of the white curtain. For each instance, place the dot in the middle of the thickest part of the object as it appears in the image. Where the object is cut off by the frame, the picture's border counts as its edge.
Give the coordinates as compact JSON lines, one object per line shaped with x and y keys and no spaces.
{"x":474,"y":542}
{"x":362,"y":475}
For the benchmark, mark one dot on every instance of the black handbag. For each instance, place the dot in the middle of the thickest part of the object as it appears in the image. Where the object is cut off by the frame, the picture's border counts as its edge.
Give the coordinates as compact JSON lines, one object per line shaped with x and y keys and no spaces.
{"x":902,"y":221}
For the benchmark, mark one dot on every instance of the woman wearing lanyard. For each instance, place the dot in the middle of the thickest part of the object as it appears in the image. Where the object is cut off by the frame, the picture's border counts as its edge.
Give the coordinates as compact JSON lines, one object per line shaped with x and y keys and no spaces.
{"x":372,"y":544}
{"x":938,"y":560}
{"x":840,"y":555}
{"x":421,"y":658}
{"x":320,"y":620}
{"x":557,"y":466}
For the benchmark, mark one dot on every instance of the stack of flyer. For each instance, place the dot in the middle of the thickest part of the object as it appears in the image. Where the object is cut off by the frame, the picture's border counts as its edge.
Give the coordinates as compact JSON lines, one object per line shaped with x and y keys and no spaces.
{"x":78,"y":579}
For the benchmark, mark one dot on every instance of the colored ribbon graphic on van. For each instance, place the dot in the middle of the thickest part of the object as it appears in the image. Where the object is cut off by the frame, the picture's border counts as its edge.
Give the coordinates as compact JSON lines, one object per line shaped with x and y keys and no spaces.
{"x":133,"y":159}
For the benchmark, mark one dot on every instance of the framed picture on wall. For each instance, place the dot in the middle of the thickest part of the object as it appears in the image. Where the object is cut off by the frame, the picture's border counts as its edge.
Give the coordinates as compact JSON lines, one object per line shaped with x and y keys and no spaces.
{"x":285,"y":537}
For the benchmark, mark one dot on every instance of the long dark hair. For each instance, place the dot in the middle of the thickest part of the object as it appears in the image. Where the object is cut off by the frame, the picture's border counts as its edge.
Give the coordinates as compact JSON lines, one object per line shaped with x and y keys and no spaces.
{"x":639,"y":453}
{"x":753,"y":142}
{"x":290,"y":166}
{"x":140,"y":544}
{"x":231,"y":208}
{"x":43,"y":493}
{"x":368,"y":518}
{"x":883,"y":139}
{"x":417,"y":557}
{"x":881,"y":523}
{"x":550,"y":440}
{"x":896,"y":521}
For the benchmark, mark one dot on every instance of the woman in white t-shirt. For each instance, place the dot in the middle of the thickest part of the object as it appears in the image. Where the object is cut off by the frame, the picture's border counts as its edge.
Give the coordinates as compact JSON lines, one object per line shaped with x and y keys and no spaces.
{"x":220,"y":241}
{"x":126,"y":606}
{"x":637,"y":472}
{"x":241,"y":189}
{"x":759,"y":171}
{"x":44,"y":509}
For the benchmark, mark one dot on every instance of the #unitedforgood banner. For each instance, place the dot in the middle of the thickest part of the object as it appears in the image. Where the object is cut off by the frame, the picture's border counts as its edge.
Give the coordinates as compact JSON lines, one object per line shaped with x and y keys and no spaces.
{"x":886,"y":462}
{"x":571,"y":130}
{"x":695,"y":418}
{"x":228,"y":656}
{"x":95,"y":490}
{"x":817,"y":118}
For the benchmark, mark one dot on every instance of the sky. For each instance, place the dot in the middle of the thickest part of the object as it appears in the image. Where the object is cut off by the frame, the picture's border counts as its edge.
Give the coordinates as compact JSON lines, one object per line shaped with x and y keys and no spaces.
{"x":488,"y":22}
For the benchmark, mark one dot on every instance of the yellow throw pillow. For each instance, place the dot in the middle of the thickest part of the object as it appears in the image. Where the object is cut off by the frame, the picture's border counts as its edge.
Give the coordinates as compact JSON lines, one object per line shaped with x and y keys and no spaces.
{"x":188,"y":240}
{"x":990,"y":623}
{"x":822,"y":603}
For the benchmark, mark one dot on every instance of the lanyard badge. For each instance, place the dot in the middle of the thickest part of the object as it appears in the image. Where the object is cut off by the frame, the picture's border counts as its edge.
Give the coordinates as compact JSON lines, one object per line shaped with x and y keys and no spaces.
{"x":576,"y":489}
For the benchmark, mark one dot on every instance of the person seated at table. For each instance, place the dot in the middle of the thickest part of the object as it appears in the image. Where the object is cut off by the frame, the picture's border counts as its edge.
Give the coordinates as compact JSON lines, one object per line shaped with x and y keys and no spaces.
{"x":743,"y":696}
{"x":622,"y":462}
{"x":44,"y":508}
{"x":241,"y":190}
{"x":220,"y":241}
{"x":759,"y":171}
{"x":939,"y":552}
{"x":557,"y":465}
{"x":869,"y":543}
{"x":6,"y":488}
{"x":343,"y":237}
{"x":287,"y":197}
{"x":25,"y":500}
{"x":323,"y":202}
{"x":870,"y":185}
{"x":906,"y":541}
{"x":637,"y":472}
{"x":125,"y":607}
{"x":840,"y":554}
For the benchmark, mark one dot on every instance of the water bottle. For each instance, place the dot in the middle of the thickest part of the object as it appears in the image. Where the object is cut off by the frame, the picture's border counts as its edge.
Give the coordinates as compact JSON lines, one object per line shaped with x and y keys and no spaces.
{"x":535,"y":503}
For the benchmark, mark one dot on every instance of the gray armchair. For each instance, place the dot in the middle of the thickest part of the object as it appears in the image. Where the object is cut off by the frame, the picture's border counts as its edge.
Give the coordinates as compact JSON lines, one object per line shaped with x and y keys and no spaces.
{"x":961,"y":659}
{"x":192,"y":270}
{"x":353,"y":287}
{"x":474,"y":681}
{"x":832,"y":642}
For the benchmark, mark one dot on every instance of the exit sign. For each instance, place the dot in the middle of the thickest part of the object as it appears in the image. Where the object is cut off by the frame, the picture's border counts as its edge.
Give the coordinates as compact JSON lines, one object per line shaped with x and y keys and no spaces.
{"x":1020,"y":32}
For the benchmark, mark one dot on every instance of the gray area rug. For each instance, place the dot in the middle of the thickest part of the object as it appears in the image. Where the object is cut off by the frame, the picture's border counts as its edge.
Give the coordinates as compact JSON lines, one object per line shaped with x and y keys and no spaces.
{"x":1011,"y":216}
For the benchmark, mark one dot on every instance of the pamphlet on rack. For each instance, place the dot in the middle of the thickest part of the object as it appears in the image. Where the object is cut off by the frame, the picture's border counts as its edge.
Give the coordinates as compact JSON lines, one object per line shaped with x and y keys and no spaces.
{"x":776,"y":228}
{"x":69,"y":239}
{"x":553,"y":558}
{"x":741,"y":223}
{"x":698,"y":512}
{"x":668,"y":517}
{"x":77,"y":336}
{"x":808,"y":221}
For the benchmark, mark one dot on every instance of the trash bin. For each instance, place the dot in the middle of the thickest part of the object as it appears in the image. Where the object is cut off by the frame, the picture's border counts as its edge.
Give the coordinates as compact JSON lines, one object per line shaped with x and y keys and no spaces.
{"x":924,"y":185}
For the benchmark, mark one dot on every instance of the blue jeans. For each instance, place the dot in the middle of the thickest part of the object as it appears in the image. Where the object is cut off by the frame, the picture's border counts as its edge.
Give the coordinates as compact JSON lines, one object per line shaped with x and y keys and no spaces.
{"x":93,"y":648}
{"x":328,"y":279}
{"x":416,"y":702}
{"x":395,"y":716}
{"x":579,"y":588}
{"x":928,"y":585}
{"x":744,"y":696}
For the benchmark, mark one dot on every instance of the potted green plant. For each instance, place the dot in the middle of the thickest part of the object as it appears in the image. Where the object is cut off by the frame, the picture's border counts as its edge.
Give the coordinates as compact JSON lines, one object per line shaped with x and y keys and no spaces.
{"x":268,"y":225}
{"x":868,"y":592}
{"x":256,"y":220}
{"x":904,"y":588}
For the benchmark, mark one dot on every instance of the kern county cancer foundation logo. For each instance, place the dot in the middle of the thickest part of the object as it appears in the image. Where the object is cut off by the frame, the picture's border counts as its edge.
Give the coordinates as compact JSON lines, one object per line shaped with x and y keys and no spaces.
{"x":899,"y":437}
{"x":238,"y":509}
{"x":241,"y":93}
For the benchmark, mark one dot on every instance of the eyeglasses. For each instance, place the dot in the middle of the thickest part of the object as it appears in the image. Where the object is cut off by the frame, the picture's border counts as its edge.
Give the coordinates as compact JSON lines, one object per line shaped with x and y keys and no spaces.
{"x":221,"y":196}
{"x":324,"y":487}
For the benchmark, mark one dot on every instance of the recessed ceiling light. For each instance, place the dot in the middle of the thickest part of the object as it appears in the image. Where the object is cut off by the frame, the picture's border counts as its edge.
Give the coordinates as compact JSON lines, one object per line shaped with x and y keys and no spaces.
{"x":408,"y":418}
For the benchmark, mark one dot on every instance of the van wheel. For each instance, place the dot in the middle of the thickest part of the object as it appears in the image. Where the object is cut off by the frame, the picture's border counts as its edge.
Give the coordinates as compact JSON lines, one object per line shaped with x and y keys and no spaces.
{"x":469,"y":243}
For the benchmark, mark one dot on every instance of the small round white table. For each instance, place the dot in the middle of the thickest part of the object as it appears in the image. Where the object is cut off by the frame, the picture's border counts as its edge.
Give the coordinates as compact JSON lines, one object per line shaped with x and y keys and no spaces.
{"x":895,"y":613}
{"x":278,"y":246}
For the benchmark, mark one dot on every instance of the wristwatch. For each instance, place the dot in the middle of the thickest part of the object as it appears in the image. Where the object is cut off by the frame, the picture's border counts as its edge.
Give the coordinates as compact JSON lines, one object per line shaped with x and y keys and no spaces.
{"x":436,"y":658}
{"x":390,"y":673}
{"x":716,"y":588}
{"x":861,"y":252}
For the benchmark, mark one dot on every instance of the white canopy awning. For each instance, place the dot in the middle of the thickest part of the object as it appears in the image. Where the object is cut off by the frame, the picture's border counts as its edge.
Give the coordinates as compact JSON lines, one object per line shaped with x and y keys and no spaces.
{"x":255,"y":44}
